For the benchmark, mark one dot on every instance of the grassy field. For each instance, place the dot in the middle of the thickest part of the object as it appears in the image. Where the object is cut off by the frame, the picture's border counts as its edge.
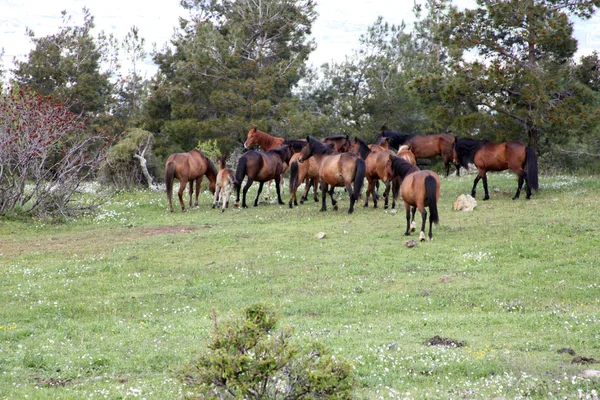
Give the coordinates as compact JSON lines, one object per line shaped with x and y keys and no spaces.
{"x":110,"y":305}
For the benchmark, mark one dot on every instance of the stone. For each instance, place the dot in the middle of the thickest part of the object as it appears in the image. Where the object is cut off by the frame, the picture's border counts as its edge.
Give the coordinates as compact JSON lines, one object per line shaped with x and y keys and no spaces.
{"x":465,"y":202}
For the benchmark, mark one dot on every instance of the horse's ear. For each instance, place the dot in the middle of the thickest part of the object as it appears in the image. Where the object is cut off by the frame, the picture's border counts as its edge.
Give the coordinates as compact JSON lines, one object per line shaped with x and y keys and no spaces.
{"x":391,"y":157}
{"x":387,"y":139}
{"x":347,"y":137}
{"x":254,"y":129}
{"x":383,"y":129}
{"x":308,"y":138}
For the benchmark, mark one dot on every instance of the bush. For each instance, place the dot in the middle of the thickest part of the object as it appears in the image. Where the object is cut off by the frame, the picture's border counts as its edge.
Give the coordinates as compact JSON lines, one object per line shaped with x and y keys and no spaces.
{"x":246,"y":358}
{"x":210,"y":148}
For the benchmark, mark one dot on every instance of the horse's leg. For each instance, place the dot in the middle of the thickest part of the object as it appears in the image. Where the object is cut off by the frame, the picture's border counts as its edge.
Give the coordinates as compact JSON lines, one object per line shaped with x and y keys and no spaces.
{"x":248,"y":184}
{"x":370,"y":188}
{"x":260,"y":186}
{"x":324,"y":195}
{"x":457,"y":165}
{"x":333,"y":201}
{"x":430,"y":228}
{"x":407,"y":206}
{"x":227,"y":195}
{"x":198,"y":185}
{"x":485,"y":187}
{"x":386,"y":194}
{"x":423,"y":212}
{"x":521,"y":175}
{"x":475,"y":182}
{"x":191,"y":192}
{"x":315,"y":189}
{"x":353,"y":197}
{"x":413,"y":226}
{"x":278,"y":182}
{"x":447,"y":164}
{"x":180,"y":193}
{"x":216,"y":197}
{"x":268,"y":190}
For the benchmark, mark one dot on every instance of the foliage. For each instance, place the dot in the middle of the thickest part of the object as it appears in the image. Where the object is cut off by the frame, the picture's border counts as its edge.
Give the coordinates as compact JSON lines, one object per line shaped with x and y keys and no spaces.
{"x":45,"y":154}
{"x":122,"y":169}
{"x":248,"y":359}
{"x":233,"y":66}
{"x":209,"y":148}
{"x":67,"y":66}
{"x":518,"y":84}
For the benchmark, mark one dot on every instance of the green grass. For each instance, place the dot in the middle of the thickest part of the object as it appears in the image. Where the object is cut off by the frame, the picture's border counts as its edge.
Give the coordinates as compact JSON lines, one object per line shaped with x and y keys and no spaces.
{"x":108,"y":306}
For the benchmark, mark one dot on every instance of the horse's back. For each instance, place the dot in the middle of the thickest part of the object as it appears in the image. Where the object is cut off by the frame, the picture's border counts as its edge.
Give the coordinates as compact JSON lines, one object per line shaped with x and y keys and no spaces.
{"x":413,"y":188}
{"x":426,"y":146}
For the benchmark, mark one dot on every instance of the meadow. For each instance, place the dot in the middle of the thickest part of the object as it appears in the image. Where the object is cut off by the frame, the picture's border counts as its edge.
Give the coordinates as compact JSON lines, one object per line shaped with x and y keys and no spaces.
{"x":111,"y":305}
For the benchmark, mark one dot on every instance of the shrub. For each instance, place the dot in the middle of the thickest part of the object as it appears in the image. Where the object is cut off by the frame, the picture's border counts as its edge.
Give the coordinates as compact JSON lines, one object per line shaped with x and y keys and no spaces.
{"x":247,"y":358}
{"x":210,"y":148}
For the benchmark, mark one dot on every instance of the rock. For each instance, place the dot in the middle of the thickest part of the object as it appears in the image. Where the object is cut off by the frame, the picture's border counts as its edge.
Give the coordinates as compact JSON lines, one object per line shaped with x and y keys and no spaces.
{"x":465,"y":202}
{"x":320,"y":235}
{"x":393,"y":211}
{"x":411,"y":243}
{"x":590,"y":373}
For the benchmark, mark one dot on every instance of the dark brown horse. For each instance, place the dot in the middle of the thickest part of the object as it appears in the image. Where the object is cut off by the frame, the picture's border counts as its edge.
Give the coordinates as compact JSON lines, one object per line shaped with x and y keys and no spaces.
{"x":425,"y":146}
{"x":262,"y":167}
{"x":375,"y":170}
{"x":335,"y":169}
{"x":188,"y":167}
{"x":419,"y":189}
{"x":341,"y":143}
{"x":225,"y":184}
{"x":492,"y":156}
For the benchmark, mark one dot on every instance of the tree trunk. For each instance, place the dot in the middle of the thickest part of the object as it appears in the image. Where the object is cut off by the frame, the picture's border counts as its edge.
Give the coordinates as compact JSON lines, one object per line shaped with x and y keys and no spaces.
{"x":143,"y":164}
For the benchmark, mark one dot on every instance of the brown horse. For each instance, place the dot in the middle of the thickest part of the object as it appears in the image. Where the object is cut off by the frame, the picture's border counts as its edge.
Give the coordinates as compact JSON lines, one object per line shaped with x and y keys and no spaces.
{"x":299,"y":172}
{"x":383,"y":144}
{"x":335,"y":169}
{"x":425,"y":146}
{"x":341,"y":143}
{"x":225,"y":184}
{"x":419,"y":189}
{"x":492,"y":156}
{"x":375,"y":170}
{"x":264,"y":140}
{"x":405,"y":153}
{"x":262,"y":167}
{"x":188,"y":167}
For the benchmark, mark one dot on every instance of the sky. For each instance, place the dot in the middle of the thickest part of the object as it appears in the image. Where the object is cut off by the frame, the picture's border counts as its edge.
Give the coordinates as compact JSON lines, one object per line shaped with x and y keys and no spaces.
{"x":336,"y":30}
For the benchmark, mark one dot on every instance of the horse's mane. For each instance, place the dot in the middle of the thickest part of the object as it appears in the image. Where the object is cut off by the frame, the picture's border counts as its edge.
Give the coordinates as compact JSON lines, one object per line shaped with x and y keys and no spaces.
{"x":336,"y":137}
{"x":466,"y":149}
{"x":363,"y":148}
{"x":283,"y":152}
{"x":402,"y":167}
{"x":318,"y":147}
{"x":397,"y":139}
{"x":295,"y":144}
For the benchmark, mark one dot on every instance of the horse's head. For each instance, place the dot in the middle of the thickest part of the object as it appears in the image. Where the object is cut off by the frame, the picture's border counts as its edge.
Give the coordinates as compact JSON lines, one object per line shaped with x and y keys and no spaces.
{"x":355,"y":146}
{"x":346,"y":145}
{"x":455,"y":157}
{"x":307,"y":150}
{"x":389,"y":171}
{"x":252,"y":138}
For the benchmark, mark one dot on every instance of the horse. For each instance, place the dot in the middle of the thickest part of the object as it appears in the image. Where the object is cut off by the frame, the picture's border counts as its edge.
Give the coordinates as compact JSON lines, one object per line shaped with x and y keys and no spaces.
{"x":375,"y":170}
{"x":188,"y":167}
{"x":384,"y":144}
{"x":419,"y":189}
{"x":425,"y":146}
{"x":341,"y":143}
{"x":493,"y":156}
{"x":262,"y":167}
{"x":405,"y":153}
{"x":335,"y":169}
{"x":225,"y":183}
{"x":306,"y":171}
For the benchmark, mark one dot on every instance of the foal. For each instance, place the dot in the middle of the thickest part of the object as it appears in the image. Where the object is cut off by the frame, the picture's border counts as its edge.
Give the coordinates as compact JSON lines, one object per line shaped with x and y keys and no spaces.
{"x":225,"y":184}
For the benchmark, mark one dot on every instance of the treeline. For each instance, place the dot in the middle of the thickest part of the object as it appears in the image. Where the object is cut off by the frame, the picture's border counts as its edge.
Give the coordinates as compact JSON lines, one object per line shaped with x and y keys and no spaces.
{"x":504,"y":70}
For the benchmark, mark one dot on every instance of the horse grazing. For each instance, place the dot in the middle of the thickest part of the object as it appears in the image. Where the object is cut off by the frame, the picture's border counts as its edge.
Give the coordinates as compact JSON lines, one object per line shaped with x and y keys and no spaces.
{"x":419,"y":189}
{"x":341,"y":143}
{"x":188,"y":167}
{"x":335,"y":169}
{"x":375,"y":170}
{"x":262,"y":167}
{"x":225,"y":184}
{"x":425,"y":146}
{"x":492,"y":156}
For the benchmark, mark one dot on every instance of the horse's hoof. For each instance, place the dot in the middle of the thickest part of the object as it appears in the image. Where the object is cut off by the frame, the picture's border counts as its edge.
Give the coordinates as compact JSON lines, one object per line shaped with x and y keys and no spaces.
{"x":222,"y":210}
{"x":213,"y":206}
{"x":422,"y":236}
{"x":385,"y":207}
{"x":366,"y":205}
{"x":335,"y":208}
{"x":413,"y":226}
{"x":407,"y":233}
{"x":290,"y":204}
{"x":281,"y":203}
{"x":374,"y":205}
{"x":350,"y":211}
{"x":486,"y":198}
{"x":323,"y":209}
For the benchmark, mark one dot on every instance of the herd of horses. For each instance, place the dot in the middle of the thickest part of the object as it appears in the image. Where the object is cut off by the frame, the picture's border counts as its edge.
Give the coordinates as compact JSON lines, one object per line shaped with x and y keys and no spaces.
{"x":338,"y":161}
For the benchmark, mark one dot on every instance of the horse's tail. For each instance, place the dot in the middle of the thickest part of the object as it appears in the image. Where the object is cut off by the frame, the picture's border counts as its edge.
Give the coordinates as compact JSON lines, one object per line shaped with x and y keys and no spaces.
{"x":359,"y":177}
{"x":169,"y":176}
{"x":531,"y":168}
{"x":431,"y":193}
{"x":396,"y":188}
{"x":240,"y":172}
{"x":294,"y":177}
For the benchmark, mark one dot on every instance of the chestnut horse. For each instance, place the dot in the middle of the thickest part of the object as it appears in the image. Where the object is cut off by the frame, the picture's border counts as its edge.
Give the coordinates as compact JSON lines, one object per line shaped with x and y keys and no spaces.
{"x":188,"y":167}
{"x":299,"y":172}
{"x":262,"y":167}
{"x":405,"y":153}
{"x":425,"y":146}
{"x":492,"y":156}
{"x":341,"y":143}
{"x":375,"y":170}
{"x":419,"y":189}
{"x":225,"y":183}
{"x":335,"y":169}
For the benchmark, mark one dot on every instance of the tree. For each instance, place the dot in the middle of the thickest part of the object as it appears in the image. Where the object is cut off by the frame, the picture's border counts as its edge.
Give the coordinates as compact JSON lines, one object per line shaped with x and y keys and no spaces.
{"x":45,"y":154}
{"x":233,"y":65}
{"x":518,"y":83}
{"x":67,"y":65}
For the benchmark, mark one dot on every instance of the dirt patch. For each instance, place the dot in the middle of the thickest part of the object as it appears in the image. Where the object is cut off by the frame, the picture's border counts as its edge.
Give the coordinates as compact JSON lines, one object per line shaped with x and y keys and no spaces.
{"x":566,"y":350}
{"x":440,"y":341}
{"x":53,"y":382}
{"x":583,"y":360}
{"x":169,"y":230}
